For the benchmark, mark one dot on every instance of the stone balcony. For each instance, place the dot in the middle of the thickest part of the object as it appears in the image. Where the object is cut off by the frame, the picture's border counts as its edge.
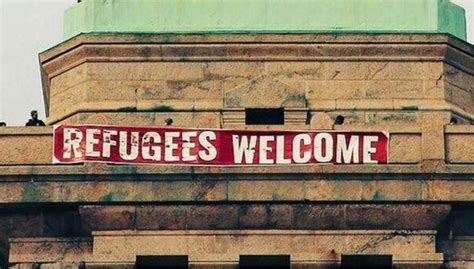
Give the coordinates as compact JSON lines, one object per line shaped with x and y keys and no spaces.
{"x":28,"y":175}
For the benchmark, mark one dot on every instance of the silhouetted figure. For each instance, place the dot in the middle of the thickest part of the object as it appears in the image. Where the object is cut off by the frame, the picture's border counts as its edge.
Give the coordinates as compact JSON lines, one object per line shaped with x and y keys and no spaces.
{"x":3,"y":124}
{"x":339,"y":120}
{"x":34,"y":121}
{"x":169,"y":121}
{"x":453,"y":121}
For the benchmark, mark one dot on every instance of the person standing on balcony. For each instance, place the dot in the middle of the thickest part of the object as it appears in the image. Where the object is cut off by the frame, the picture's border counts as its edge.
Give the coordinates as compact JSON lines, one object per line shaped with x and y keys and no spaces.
{"x":34,"y":121}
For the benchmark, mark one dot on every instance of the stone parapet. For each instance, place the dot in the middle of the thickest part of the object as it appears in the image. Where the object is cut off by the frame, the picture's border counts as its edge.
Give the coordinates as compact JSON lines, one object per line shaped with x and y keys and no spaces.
{"x":408,"y":144}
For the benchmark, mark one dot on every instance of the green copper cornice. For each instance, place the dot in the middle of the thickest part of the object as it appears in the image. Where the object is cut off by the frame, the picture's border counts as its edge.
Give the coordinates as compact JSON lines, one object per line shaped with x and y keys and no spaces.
{"x":265,"y":16}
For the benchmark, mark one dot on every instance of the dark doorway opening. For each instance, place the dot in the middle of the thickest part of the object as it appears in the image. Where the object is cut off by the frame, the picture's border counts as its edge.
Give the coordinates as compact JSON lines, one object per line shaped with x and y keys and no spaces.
{"x":264,"y":116}
{"x":162,"y":262}
{"x":366,"y":261}
{"x":264,"y":262}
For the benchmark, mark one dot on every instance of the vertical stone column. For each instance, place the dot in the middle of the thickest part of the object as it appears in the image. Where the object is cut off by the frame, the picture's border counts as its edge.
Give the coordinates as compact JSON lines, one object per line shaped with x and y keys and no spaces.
{"x":432,"y":137}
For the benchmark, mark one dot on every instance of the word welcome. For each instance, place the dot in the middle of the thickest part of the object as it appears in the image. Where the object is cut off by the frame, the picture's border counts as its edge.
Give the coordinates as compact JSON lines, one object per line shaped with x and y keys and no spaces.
{"x":179,"y":146}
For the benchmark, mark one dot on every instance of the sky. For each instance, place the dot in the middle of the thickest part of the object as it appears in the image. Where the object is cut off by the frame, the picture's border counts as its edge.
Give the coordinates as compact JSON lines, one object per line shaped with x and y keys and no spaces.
{"x":28,"y":27}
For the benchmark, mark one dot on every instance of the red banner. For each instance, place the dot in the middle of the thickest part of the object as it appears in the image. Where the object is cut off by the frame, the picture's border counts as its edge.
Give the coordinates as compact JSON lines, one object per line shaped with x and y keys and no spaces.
{"x":183,"y":146}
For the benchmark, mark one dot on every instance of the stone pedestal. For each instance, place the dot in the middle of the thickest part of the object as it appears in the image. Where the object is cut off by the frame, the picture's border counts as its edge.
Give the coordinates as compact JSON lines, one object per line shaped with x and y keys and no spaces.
{"x":416,"y":208}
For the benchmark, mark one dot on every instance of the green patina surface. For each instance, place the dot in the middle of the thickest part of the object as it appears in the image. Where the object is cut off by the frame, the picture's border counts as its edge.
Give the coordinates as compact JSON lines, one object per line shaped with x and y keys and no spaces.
{"x":108,"y":198}
{"x":378,"y":196}
{"x":265,"y":16}
{"x":32,"y":193}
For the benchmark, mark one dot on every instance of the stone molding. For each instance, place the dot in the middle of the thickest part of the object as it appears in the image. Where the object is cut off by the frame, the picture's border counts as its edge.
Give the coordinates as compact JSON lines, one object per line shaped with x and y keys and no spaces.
{"x":281,"y":216}
{"x":252,"y":188}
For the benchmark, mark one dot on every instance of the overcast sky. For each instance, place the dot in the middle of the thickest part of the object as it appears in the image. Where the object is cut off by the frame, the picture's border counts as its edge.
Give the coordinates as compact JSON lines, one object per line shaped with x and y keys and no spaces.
{"x":28,"y":27}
